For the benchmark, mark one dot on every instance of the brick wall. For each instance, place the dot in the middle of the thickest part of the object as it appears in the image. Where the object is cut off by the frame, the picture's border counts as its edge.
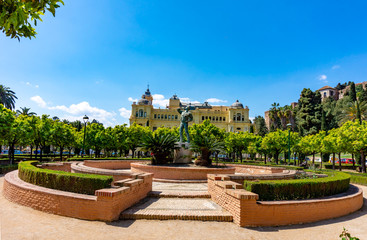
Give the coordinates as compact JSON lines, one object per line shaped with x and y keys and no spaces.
{"x":111,"y":164}
{"x":179,"y":173}
{"x":62,"y":166}
{"x":106,"y":205}
{"x":247,"y":211}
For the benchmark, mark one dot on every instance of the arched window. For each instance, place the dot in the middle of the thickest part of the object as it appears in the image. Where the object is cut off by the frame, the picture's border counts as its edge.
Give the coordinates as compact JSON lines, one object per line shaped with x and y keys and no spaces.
{"x":145,"y":114}
{"x":220,"y":118}
{"x":141,"y":112}
{"x":176,"y":117}
{"x":136,"y":115}
{"x":238,"y":116}
{"x":169,"y":116}
{"x":155,"y":115}
{"x":165,"y":116}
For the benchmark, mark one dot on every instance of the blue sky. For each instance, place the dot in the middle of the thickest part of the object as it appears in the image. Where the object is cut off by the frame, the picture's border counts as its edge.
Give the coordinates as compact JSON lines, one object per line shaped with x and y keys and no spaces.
{"x":95,"y":57}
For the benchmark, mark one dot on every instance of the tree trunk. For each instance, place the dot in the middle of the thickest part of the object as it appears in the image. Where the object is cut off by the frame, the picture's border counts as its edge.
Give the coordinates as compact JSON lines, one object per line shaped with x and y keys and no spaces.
{"x":240,"y":156}
{"x":276,"y":157}
{"x":363,"y":162}
{"x":340,"y":162}
{"x":333,"y":161}
{"x":36,"y":151}
{"x":61,"y":152}
{"x":31,"y":151}
{"x":265,"y":159}
{"x":321,"y":160}
{"x":41,"y":150}
{"x":354,"y":162}
{"x":313,"y":159}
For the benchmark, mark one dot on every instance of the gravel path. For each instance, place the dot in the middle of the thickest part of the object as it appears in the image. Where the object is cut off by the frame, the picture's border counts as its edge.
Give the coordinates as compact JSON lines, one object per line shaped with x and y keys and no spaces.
{"x":18,"y":222}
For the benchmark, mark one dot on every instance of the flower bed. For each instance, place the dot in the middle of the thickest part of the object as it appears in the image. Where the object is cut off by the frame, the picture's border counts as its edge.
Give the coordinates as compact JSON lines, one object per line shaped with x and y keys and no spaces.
{"x":269,"y":190}
{"x":65,"y":181}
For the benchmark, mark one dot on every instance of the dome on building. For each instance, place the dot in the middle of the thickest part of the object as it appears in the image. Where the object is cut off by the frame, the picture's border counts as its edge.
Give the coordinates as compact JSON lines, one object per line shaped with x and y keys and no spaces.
{"x":174,"y":97}
{"x":143,"y":101}
{"x":147,"y":92}
{"x":237,"y":104}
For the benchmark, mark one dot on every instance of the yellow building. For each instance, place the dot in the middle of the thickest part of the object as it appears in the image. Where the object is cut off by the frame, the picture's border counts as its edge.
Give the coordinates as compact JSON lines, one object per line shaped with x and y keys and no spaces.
{"x":232,"y":118}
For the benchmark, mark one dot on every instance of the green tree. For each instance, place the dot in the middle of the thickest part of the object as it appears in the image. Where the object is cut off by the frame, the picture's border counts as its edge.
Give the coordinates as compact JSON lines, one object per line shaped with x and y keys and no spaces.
{"x":161,"y":144}
{"x":135,"y":135}
{"x":18,"y":17}
{"x":94,"y":139}
{"x":43,"y":133}
{"x":260,"y":126}
{"x":25,"y":111}
{"x":309,"y":112}
{"x":352,"y":92}
{"x":7,"y":96}
{"x":62,"y":136}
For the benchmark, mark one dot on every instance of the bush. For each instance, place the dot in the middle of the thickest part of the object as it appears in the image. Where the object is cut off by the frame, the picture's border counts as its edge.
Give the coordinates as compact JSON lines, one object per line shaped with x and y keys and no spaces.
{"x":358,"y":178}
{"x":271,"y":190}
{"x":8,"y":168}
{"x":344,"y":166}
{"x":64,"y":181}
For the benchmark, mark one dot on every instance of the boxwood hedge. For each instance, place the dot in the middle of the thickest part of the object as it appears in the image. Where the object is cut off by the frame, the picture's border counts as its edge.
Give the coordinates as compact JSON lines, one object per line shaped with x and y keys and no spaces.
{"x":272,"y":190}
{"x":64,"y":181}
{"x":344,"y":166}
{"x":8,"y":168}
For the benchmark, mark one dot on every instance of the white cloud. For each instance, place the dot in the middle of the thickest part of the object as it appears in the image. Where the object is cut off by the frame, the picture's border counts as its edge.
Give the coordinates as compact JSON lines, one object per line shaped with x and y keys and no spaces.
{"x":31,"y":85}
{"x":335,"y":67}
{"x":37,"y":86}
{"x":188,"y":100}
{"x":323,"y":78}
{"x":124,"y":112}
{"x":40,"y":102}
{"x":215,"y":100}
{"x":77,"y":111}
{"x":160,"y":101}
{"x":132,"y":99}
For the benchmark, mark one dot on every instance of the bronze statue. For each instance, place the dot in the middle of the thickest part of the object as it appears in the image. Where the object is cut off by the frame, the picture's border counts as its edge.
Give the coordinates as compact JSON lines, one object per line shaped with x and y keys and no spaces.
{"x":186,"y":117}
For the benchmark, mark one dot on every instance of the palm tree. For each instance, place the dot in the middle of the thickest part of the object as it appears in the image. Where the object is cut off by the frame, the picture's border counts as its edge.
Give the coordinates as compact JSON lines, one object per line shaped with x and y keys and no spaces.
{"x":354,"y":111}
{"x":205,"y":146}
{"x":273,"y":116}
{"x":7,"y":97}
{"x":160,"y":145}
{"x":25,"y":111}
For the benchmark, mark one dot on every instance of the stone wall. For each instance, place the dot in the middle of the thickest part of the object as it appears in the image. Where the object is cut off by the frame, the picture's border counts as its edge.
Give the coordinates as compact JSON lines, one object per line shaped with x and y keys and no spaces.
{"x":106,"y":205}
{"x":247,"y":211}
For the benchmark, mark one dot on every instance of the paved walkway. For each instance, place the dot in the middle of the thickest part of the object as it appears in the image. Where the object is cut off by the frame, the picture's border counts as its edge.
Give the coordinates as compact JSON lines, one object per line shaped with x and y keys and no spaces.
{"x":18,"y":222}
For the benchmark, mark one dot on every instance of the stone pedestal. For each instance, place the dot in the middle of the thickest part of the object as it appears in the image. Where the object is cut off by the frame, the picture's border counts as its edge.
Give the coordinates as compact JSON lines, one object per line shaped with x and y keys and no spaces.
{"x":182,"y":153}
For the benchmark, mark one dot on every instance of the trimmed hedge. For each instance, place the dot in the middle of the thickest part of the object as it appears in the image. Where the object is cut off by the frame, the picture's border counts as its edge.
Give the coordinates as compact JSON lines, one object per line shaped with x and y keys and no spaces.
{"x":8,"y":168}
{"x":272,"y":190}
{"x":358,"y":178}
{"x":64,"y":181}
{"x":344,"y":166}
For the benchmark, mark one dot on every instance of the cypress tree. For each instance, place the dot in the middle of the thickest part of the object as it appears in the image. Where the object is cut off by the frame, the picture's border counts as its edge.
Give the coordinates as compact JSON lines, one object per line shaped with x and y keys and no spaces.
{"x":353,"y":93}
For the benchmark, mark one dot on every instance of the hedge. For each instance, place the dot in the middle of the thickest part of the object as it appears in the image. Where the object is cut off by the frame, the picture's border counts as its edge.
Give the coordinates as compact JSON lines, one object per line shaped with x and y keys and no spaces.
{"x":272,"y":190}
{"x":8,"y":168}
{"x":64,"y":181}
{"x":344,"y":166}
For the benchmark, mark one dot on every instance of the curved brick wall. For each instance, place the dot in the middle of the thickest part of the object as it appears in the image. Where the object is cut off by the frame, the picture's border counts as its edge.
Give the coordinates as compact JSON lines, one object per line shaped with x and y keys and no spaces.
{"x":252,"y":169}
{"x":179,"y":173}
{"x":249,"y":212}
{"x":79,"y":167}
{"x":112,"y":164}
{"x":106,"y":205}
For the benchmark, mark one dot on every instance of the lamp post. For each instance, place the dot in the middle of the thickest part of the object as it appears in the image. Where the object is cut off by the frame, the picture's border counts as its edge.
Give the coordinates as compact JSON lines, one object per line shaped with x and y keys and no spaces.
{"x":289,"y":142}
{"x":85,"y":120}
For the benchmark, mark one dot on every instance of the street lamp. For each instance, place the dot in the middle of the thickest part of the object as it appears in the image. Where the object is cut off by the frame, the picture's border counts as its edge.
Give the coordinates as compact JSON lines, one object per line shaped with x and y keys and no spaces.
{"x":85,"y":120}
{"x":289,"y":143}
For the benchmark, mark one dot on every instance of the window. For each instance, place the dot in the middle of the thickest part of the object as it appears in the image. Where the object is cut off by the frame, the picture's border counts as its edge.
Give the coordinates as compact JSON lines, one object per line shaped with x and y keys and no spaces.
{"x":176,"y":117}
{"x":238,"y":128}
{"x":324,"y":94}
{"x":202,"y":118}
{"x":220,"y":118}
{"x":234,"y":118}
{"x":165,"y":116}
{"x":141,"y":113}
{"x":145,"y":114}
{"x":169,"y":116}
{"x":159,"y":116}
{"x":224,"y":118}
{"x":216,"y":119}
{"x":155,"y":115}
{"x":238,"y":116}
{"x":154,"y":128}
{"x":136,"y":114}
{"x":243,"y":119}
{"x":331,"y":93}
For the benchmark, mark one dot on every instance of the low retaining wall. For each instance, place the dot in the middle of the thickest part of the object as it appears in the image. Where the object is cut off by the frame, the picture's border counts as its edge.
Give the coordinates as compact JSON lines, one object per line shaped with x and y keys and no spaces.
{"x":106,"y":205}
{"x":61,"y":166}
{"x":249,"y":212}
{"x":112,"y":164}
{"x":252,"y":169}
{"x":79,"y":167}
{"x":179,"y":173}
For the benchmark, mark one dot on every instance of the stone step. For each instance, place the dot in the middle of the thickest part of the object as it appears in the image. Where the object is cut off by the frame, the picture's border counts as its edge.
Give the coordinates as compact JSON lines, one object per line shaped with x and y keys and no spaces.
{"x":177,"y":209}
{"x":179,"y":194}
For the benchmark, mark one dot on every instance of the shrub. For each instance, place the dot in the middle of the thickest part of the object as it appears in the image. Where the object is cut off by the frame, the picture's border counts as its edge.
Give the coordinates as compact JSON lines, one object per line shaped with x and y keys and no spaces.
{"x":270,"y":190}
{"x":8,"y":168}
{"x":344,"y":166}
{"x":64,"y":181}
{"x":358,"y":178}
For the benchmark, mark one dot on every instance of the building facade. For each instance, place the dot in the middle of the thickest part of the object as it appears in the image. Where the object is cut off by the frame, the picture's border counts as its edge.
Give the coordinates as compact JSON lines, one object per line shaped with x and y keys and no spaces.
{"x":234,"y":118}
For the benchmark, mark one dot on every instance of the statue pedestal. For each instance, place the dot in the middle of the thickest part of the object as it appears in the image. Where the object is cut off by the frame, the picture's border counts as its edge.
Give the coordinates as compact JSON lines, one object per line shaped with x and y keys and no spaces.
{"x":182,"y":153}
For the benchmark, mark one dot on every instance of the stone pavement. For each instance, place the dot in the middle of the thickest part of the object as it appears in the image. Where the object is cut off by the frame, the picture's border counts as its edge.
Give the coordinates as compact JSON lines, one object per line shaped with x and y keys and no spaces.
{"x":180,"y":201}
